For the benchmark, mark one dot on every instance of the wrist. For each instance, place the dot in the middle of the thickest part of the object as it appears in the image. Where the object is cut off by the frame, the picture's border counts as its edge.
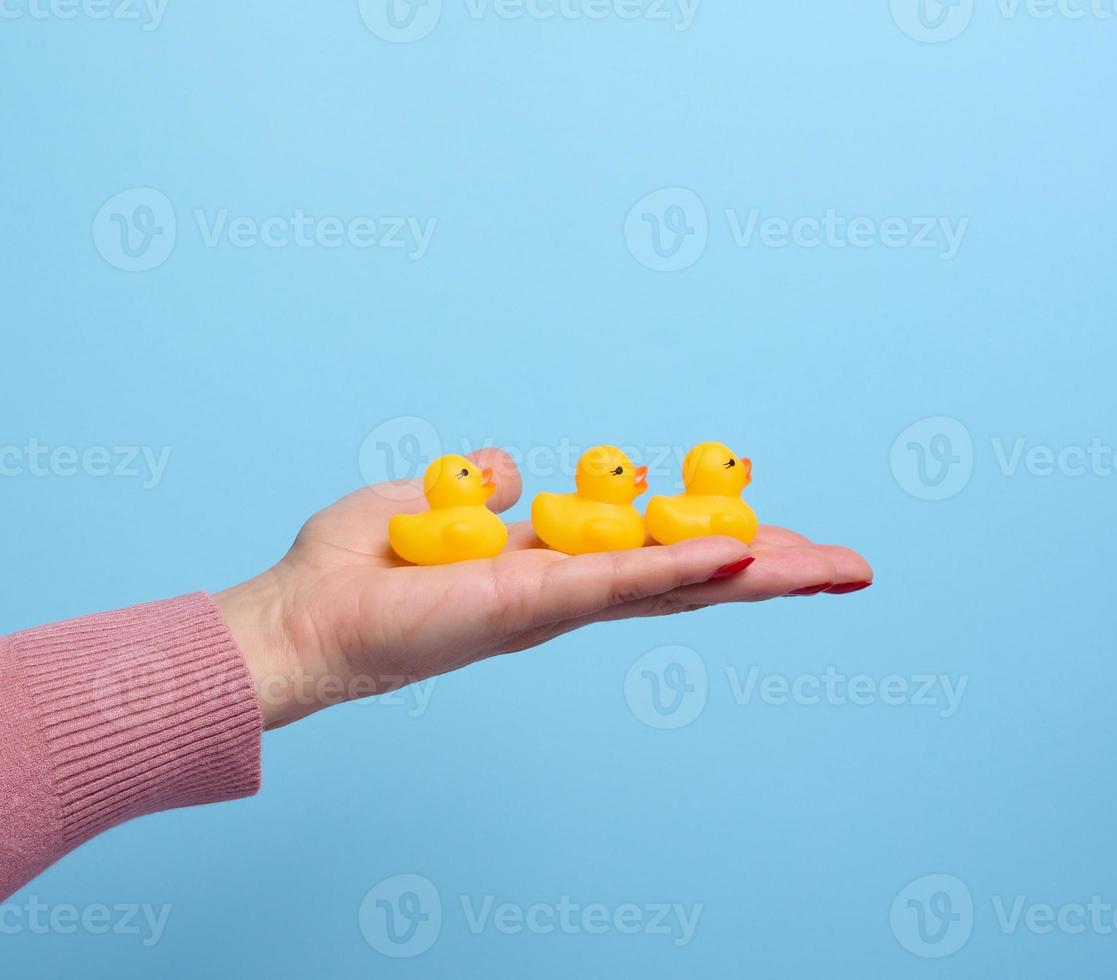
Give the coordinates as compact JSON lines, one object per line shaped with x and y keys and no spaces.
{"x":255,"y":614}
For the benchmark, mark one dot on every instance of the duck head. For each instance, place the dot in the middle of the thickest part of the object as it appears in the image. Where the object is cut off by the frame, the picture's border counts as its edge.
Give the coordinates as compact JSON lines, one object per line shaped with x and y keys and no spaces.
{"x":607,"y":475}
{"x":454,"y":481}
{"x":712,"y":468}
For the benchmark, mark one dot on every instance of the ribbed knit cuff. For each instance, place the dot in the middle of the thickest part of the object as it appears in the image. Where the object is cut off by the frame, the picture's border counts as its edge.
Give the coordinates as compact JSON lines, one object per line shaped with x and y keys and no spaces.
{"x":141,"y":710}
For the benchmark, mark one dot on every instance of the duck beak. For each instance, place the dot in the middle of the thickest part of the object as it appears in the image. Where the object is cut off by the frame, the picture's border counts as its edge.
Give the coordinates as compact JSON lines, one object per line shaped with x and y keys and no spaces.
{"x":488,"y":480}
{"x":747,"y":464}
{"x":641,"y":479}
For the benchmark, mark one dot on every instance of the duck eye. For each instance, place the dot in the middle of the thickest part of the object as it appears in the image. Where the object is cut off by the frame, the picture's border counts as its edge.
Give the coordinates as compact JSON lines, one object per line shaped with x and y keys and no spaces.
{"x":618,"y":471}
{"x":730,"y":464}
{"x":464,"y":472}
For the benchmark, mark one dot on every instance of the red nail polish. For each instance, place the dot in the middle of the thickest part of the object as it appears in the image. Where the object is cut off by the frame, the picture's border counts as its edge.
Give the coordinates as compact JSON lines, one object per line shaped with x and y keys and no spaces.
{"x":847,"y":588}
{"x":813,"y":590}
{"x":728,"y":571}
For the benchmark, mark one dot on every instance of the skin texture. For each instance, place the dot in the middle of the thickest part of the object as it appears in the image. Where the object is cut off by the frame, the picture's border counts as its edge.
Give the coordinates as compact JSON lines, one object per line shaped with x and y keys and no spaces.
{"x":341,"y":617}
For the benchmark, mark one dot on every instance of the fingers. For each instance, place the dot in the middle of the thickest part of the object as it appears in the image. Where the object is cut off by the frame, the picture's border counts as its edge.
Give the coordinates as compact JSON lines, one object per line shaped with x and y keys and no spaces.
{"x":786,"y":564}
{"x":586,"y":585}
{"x":784,"y":572}
{"x":778,"y":537}
{"x":849,"y":566}
{"x":767,"y":578}
{"x":778,"y":572}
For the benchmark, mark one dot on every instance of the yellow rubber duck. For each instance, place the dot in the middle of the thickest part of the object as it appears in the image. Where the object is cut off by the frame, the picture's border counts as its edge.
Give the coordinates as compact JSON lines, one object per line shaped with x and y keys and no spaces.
{"x":714,"y":478}
{"x":600,"y":516}
{"x":458,"y":526}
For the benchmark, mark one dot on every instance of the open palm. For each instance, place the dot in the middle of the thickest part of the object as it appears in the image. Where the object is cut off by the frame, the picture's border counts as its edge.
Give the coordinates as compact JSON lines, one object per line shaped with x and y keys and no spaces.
{"x":340,"y":616}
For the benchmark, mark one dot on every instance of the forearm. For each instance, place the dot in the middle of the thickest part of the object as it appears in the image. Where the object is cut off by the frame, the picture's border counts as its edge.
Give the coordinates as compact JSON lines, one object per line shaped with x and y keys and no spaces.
{"x":110,"y":717}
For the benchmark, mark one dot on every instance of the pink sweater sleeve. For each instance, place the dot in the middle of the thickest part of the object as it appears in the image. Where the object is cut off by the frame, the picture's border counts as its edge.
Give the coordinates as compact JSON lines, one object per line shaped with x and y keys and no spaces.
{"x":109,"y":717}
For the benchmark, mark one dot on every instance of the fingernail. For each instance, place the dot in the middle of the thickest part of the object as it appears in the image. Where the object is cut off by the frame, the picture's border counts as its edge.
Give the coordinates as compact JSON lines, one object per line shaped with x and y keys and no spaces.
{"x":728,"y":571}
{"x":813,"y":590}
{"x":847,"y":588}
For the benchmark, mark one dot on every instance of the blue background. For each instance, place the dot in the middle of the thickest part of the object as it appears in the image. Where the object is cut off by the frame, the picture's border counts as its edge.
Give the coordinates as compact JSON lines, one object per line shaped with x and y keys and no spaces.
{"x":530,"y":321}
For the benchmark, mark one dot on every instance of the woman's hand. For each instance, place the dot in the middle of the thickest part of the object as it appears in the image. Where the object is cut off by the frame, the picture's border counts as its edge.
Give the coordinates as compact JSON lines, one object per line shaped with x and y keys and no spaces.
{"x":340,"y":617}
